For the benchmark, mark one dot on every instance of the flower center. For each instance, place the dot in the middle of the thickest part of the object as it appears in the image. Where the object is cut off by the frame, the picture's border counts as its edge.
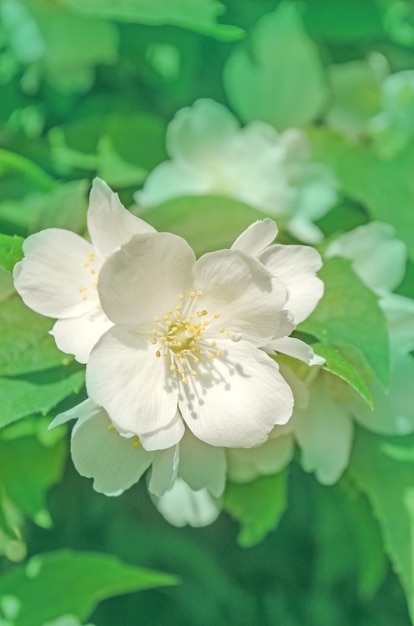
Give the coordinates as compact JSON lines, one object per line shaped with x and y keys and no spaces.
{"x":180,"y":336}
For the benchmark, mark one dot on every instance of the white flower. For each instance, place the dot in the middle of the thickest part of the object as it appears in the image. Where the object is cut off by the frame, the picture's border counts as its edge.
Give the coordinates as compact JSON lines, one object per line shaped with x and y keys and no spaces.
{"x":211,"y":154}
{"x":186,"y":344}
{"x":59,"y":274}
{"x":296,"y":267}
{"x":185,"y":480}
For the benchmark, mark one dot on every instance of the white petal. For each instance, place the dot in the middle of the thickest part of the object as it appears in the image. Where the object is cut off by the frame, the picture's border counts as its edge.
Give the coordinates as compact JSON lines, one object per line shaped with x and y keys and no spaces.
{"x":399,"y":311}
{"x":246,"y":297}
{"x":78,"y":335}
{"x":393,"y":412}
{"x":111,"y":460}
{"x":296,"y":267}
{"x":324,"y":431}
{"x":82,"y":410}
{"x":171,"y":180}
{"x":145,"y":277}
{"x":52,"y":278}
{"x":297,"y":349}
{"x":270,"y":458}
{"x":182,"y":506}
{"x":164,"y":471}
{"x":256,"y":237}
{"x":235,"y":400}
{"x":198,"y":134}
{"x":160,"y":439}
{"x":377,"y":256}
{"x":202,"y":466}
{"x":124,"y":376}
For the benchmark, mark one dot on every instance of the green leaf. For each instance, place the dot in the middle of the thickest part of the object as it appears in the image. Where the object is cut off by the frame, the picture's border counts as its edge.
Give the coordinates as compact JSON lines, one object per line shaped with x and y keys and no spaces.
{"x":71,"y":583}
{"x":10,"y":251}
{"x":28,"y":469}
{"x":26,"y":345}
{"x":197,"y":15}
{"x":336,"y":364}
{"x":349,"y":318}
{"x":282,"y":80}
{"x":206,"y":222}
{"x":384,"y":186}
{"x":36,"y":394}
{"x":63,"y":207}
{"x":258,"y":506}
{"x":383,"y":468}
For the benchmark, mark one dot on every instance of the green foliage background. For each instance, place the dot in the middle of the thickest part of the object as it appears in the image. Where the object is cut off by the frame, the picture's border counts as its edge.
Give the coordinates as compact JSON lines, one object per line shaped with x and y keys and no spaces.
{"x":88,"y":88}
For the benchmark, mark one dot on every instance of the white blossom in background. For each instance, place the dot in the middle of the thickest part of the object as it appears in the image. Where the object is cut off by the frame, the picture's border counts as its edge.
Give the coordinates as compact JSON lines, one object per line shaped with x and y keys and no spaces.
{"x":326,"y":407}
{"x":210,"y":154}
{"x":59,"y":273}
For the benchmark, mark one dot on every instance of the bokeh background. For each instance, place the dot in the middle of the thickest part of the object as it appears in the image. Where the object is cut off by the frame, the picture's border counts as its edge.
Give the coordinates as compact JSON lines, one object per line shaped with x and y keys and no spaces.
{"x":87,"y":89}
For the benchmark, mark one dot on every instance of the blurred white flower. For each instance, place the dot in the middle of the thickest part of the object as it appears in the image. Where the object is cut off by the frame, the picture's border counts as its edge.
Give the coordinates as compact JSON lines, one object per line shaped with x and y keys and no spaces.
{"x":271,"y":171}
{"x":59,"y":274}
{"x":326,"y":407}
{"x":186,"y":344}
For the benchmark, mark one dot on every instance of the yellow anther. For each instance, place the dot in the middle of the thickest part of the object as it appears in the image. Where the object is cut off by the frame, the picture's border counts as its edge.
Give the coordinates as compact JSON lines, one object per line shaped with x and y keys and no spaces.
{"x":156,"y":319}
{"x":91,"y":256}
{"x":82,"y":289}
{"x":180,"y":370}
{"x":210,"y":355}
{"x":111,"y":427}
{"x":158,"y":353}
{"x":184,"y":380}
{"x":213,"y":344}
{"x":216,"y":316}
{"x":181,"y":297}
{"x":86,"y":264}
{"x":196,"y":359}
{"x":172,"y":367}
{"x":153,"y":341}
{"x":154,"y":331}
{"x":229,"y":334}
{"x":178,"y":308}
{"x":182,"y":360}
{"x":202,"y":313}
{"x":93,"y":272}
{"x":165,"y":318}
{"x":221,"y":330}
{"x":219,"y":353}
{"x":169,"y":311}
{"x":199,"y":293}
{"x":193,"y":373}
{"x":136,"y":442}
{"x":192,"y":294}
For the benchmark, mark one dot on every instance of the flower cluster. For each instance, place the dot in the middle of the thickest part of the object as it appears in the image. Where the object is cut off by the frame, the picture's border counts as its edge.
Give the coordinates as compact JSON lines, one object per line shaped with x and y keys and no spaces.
{"x":180,"y":353}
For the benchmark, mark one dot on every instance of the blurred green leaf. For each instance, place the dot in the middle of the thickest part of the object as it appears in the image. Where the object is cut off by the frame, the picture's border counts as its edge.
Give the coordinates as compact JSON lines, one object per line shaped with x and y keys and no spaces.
{"x":206,"y":222}
{"x":26,"y":343}
{"x":349,"y":318}
{"x":281,"y":79}
{"x":198,"y":15}
{"x":384,"y":186}
{"x":63,"y":207}
{"x":42,"y":34}
{"x":10,"y":251}
{"x":28,"y":469}
{"x":345,"y":21}
{"x":68,"y":582}
{"x":27,"y":395}
{"x":384,"y":470}
{"x":258,"y":506}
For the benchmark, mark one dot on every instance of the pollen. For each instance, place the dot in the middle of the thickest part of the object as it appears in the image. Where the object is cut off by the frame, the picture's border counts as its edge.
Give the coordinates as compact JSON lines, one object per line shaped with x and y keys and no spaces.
{"x":136,"y":442}
{"x":111,"y":427}
{"x":180,"y":336}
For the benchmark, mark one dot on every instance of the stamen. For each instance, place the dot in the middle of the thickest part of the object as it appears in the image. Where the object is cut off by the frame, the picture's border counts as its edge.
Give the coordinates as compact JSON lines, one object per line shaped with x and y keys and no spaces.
{"x":111,"y":427}
{"x":136,"y":442}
